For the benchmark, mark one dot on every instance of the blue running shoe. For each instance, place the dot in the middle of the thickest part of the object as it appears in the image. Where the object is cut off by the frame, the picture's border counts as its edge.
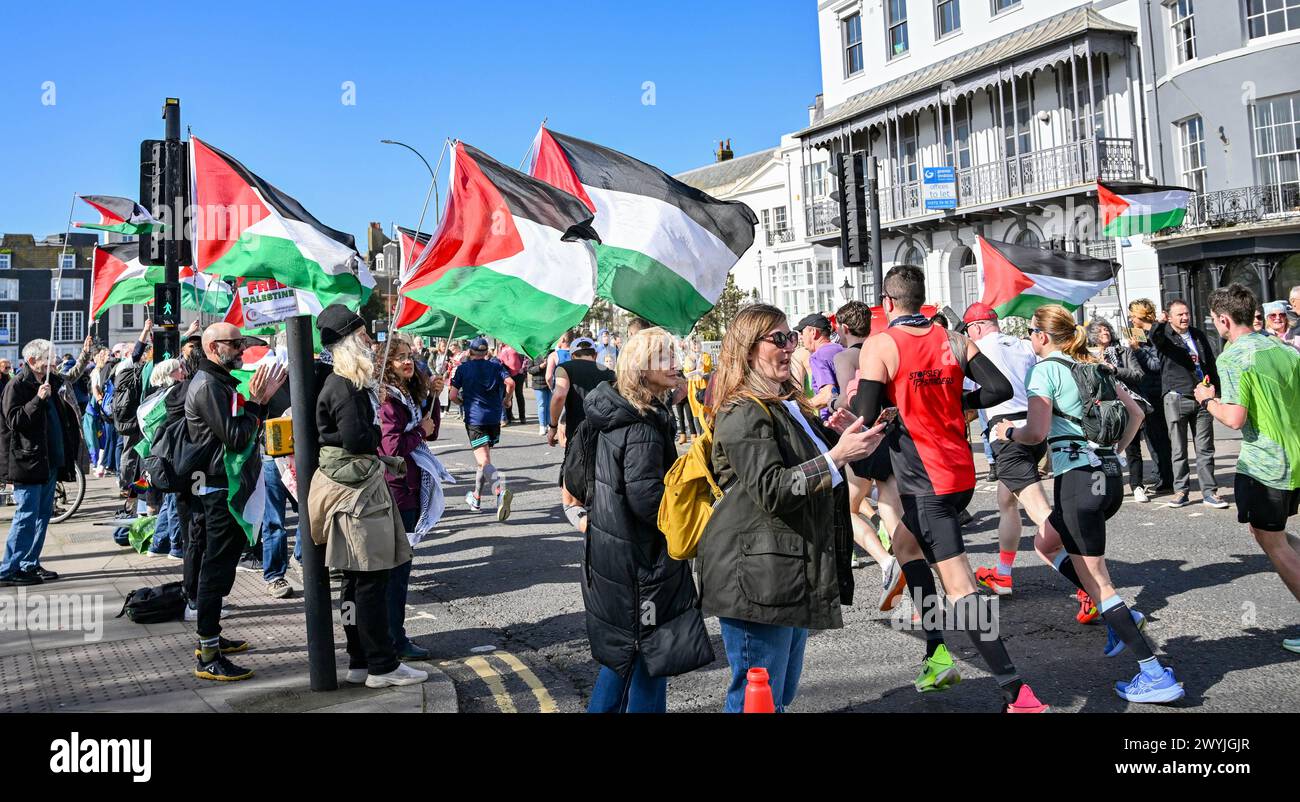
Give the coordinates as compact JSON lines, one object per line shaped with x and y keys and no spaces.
{"x":1158,"y":690}
{"x":1113,"y":644}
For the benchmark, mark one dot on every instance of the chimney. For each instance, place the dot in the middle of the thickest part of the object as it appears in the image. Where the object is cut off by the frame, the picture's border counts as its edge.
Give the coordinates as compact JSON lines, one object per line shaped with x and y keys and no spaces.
{"x":816,"y":110}
{"x":724,"y":151}
{"x":376,"y":239}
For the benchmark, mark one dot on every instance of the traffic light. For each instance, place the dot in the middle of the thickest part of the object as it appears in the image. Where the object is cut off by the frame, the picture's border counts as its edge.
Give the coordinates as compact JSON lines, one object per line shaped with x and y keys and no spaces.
{"x":850,"y":197}
{"x":164,"y":184}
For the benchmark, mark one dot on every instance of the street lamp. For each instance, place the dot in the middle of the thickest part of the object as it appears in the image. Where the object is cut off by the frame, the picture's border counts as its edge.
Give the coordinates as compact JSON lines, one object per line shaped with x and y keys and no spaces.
{"x":846,"y":290}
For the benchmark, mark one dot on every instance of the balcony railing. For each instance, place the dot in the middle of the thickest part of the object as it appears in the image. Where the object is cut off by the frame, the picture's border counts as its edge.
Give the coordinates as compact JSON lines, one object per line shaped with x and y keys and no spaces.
{"x":1047,"y":170}
{"x":780,"y":235}
{"x":1231,"y":207}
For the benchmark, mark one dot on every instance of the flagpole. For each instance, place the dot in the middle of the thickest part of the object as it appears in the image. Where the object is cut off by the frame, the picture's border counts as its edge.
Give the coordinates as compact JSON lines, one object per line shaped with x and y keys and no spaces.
{"x":54,"y":315}
{"x":531,"y":144}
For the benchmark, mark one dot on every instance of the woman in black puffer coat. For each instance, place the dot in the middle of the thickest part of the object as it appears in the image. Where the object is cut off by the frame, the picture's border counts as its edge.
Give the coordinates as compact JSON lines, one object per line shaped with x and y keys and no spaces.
{"x":642,"y":618}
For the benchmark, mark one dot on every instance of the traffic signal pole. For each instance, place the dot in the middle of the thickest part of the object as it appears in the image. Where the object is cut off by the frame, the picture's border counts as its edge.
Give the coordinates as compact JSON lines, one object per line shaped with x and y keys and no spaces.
{"x":877,"y":260}
{"x":167,"y":295}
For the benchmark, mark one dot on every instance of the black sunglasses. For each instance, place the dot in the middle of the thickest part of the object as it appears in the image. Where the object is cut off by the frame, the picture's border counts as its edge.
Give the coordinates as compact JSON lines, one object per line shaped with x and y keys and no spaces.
{"x":781,"y":340}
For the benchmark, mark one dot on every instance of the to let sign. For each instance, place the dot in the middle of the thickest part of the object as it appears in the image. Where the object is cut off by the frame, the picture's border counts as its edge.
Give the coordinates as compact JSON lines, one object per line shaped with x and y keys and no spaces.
{"x":939,"y":188}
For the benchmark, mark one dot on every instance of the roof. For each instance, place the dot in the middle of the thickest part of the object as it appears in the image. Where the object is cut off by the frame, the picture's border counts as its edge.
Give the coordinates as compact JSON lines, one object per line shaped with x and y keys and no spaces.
{"x":997,"y":51}
{"x":714,"y":178}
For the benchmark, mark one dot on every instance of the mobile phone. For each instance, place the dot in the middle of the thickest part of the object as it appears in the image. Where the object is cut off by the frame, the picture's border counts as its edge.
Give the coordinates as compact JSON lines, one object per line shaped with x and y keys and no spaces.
{"x":887,"y":415}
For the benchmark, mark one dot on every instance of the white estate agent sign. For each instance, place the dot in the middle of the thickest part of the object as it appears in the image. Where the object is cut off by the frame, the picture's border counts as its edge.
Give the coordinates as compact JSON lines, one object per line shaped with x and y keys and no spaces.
{"x":939,"y":188}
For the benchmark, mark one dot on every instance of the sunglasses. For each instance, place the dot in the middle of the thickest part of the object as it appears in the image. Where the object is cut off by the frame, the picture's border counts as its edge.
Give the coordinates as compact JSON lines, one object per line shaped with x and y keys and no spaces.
{"x":781,"y":340}
{"x":237,"y":342}
{"x":1033,"y":330}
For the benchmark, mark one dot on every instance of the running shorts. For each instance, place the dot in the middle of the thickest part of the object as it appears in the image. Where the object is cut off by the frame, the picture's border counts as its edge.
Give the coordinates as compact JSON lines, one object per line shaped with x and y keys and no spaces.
{"x":1085,"y":499}
{"x":1263,"y":507}
{"x":1017,"y":463}
{"x":934,"y":521}
{"x":486,"y":434}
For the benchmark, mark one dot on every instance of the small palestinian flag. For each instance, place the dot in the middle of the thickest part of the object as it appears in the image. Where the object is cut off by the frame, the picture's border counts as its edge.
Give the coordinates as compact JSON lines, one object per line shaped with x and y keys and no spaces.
{"x":1018,"y":279}
{"x":504,"y":259}
{"x":151,"y":414}
{"x":1141,"y":210}
{"x":118,"y":277}
{"x":204,"y":293}
{"x":246,"y":490}
{"x":121,"y":215}
{"x":414,"y":317}
{"x":244,"y":227}
{"x":665,"y":247}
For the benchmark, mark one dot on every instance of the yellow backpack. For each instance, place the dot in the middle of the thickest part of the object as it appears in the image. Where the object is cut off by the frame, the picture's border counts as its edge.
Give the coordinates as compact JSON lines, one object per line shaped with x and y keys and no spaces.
{"x":690,"y":496}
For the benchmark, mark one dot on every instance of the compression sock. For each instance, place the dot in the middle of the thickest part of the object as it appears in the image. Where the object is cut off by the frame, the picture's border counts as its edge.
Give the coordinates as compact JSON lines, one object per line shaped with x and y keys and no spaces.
{"x":1120,"y":619}
{"x":920,"y":583}
{"x":1065,"y":566}
{"x":974,"y":616}
{"x":1005,"y":560}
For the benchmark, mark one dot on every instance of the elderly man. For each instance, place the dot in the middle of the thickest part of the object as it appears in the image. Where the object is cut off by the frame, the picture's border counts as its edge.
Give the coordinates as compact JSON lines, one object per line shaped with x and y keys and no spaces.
{"x":40,"y":438}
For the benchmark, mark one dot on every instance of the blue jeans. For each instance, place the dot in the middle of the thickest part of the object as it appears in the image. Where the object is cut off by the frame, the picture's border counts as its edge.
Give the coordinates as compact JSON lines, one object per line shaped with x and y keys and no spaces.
{"x":90,"y":436}
{"x":399,"y":580}
{"x":167,"y":531}
{"x":778,"y":649}
{"x":111,"y":448}
{"x":988,"y":447}
{"x":275,"y":538}
{"x":27,"y":532}
{"x":639,"y":693}
{"x":543,"y":406}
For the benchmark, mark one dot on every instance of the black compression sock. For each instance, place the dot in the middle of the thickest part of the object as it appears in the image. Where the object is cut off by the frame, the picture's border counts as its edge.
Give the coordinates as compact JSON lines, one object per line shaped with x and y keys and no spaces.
{"x":1120,"y":619}
{"x":976,"y":621}
{"x":920,"y":584}
{"x":1065,"y":566}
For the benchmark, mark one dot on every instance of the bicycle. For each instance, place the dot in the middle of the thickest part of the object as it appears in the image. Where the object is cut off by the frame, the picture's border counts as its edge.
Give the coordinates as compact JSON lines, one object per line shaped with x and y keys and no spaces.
{"x":68,"y":496}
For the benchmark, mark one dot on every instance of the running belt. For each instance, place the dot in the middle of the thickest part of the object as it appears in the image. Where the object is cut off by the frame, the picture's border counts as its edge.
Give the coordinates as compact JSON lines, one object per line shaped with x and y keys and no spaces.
{"x":930,"y":455}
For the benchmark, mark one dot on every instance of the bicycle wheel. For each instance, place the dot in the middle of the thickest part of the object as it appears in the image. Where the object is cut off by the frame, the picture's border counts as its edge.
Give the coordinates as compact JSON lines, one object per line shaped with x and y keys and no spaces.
{"x":68,"y":497}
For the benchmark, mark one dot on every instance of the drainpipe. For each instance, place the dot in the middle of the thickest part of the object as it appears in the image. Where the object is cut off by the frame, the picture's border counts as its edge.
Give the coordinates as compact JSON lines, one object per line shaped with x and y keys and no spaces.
{"x":1155,"y":91}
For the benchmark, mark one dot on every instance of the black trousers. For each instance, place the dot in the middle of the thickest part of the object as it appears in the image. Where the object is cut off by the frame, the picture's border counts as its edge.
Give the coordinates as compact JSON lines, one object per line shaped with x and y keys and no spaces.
{"x":365,"y":621}
{"x":685,"y":419}
{"x":1156,"y":433}
{"x":224,"y":542}
{"x":193,"y":541}
{"x":519,"y":398}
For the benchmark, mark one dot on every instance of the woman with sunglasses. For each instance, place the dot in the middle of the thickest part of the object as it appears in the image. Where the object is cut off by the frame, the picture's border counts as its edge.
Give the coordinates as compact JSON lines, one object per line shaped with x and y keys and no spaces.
{"x":774,"y":557}
{"x":1080,"y":511}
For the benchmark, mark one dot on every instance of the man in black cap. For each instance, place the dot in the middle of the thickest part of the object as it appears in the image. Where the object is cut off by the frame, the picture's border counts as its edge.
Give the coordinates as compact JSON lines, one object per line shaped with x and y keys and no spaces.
{"x":216,"y":423}
{"x":481,"y":385}
{"x":815,"y":335}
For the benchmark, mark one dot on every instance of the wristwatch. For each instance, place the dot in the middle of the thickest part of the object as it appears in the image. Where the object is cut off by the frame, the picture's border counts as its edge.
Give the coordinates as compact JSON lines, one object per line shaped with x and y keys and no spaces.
{"x":1205,"y":405}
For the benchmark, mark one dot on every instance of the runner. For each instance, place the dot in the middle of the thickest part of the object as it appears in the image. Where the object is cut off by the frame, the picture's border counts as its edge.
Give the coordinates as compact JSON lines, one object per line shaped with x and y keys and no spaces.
{"x":1016,"y":465}
{"x":1260,"y":380}
{"x":919,"y":368}
{"x":481,"y":385}
{"x":1056,"y":407}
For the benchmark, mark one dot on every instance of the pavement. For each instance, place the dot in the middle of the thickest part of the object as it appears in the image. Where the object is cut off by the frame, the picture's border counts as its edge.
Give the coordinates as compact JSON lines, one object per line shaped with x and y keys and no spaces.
{"x":500,"y":607}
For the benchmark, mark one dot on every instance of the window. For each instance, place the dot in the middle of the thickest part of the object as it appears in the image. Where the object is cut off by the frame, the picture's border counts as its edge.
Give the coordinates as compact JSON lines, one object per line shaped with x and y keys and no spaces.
{"x":1004,"y":5}
{"x":824,"y":273}
{"x":5,"y":261}
{"x":8,"y":327}
{"x":826,"y":301}
{"x":1191,"y":153}
{"x":9,"y":289}
{"x":896,"y":19}
{"x":1092,"y":120}
{"x":778,"y":219}
{"x":68,"y":289}
{"x":1015,"y":122}
{"x":911,"y":254}
{"x":1277,"y":142}
{"x":128,"y":316}
{"x":947,"y":17}
{"x":852,"y":45}
{"x":67,"y":327}
{"x":907,"y":147}
{"x":1267,"y":17}
{"x":766,"y":220}
{"x":1028,"y":237}
{"x":68,"y":261}
{"x":958,"y":133}
{"x":1182,"y":26}
{"x":814,"y":181}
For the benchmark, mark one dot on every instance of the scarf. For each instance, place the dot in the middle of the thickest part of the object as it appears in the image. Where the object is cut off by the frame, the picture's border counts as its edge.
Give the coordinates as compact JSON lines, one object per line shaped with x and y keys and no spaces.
{"x":433,"y":502}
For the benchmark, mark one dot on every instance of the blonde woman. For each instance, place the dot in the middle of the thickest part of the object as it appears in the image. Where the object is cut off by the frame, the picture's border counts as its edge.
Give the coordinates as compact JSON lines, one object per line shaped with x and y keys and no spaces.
{"x":642,"y":619}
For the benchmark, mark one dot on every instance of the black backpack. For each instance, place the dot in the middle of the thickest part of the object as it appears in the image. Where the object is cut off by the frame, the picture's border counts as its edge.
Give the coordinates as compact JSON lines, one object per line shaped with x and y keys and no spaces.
{"x":1104,"y":415}
{"x":171,"y":458}
{"x":580,"y":463}
{"x":126,"y":401}
{"x":155,"y":605}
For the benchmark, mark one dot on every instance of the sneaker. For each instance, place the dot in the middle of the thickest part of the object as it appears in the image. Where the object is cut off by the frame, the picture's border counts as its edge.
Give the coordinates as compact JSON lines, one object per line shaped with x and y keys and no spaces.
{"x":855,"y":563}
{"x":46,"y":576}
{"x":279,"y":588}
{"x":1158,"y":690}
{"x":175,"y":556}
{"x":1026,"y":702}
{"x":993,"y":475}
{"x":20,"y":578}
{"x":1087,"y":609}
{"x":222,"y":670}
{"x":413,"y":652}
{"x":1292,"y":645}
{"x":938,"y":673}
{"x":892,"y":584}
{"x":228,"y":646}
{"x":152,"y":553}
{"x":192,"y":613}
{"x":541,"y":431}
{"x":1211,"y":500}
{"x":1140,"y":495}
{"x":1180,"y":500}
{"x":357,"y":676}
{"x":402,"y":675}
{"x":883,"y":536}
{"x":1113,"y":644}
{"x":503,"y":504}
{"x":473,"y":502}
{"x":991,"y":579}
{"x":251,"y":565}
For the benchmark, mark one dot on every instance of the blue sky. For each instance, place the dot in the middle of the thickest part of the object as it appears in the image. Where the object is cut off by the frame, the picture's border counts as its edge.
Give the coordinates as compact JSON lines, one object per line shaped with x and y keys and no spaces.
{"x":264,"y":82}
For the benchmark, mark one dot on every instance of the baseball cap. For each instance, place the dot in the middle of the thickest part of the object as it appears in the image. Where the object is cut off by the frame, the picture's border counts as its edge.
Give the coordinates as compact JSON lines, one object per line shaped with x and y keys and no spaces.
{"x":478,"y":344}
{"x":816,"y":321}
{"x":582,"y":343}
{"x":978,"y":311}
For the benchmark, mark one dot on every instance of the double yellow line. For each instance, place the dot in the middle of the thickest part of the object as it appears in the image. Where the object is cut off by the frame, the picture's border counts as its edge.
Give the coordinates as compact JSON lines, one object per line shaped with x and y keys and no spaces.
{"x":495,"y":682}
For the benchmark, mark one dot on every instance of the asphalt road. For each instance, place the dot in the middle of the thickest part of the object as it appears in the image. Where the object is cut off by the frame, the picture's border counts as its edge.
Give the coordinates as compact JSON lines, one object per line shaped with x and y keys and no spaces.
{"x":500,"y":606}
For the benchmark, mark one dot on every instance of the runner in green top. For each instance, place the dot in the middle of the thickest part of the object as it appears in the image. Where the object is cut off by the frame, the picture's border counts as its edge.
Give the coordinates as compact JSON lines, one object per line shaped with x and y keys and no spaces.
{"x":1261,"y":397}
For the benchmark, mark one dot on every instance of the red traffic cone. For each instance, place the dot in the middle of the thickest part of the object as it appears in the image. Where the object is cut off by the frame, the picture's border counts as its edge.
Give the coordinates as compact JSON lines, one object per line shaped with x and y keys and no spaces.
{"x":758,"y":693}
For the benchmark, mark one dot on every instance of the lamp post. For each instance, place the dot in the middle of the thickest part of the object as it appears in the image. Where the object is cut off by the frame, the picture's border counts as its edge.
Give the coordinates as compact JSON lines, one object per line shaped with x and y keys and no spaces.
{"x":846,"y":290}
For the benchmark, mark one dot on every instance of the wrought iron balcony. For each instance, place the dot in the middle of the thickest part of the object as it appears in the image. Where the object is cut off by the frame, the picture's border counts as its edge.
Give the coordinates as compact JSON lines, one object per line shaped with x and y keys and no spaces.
{"x":1232,"y":207}
{"x":779,"y":235}
{"x":819,"y":214}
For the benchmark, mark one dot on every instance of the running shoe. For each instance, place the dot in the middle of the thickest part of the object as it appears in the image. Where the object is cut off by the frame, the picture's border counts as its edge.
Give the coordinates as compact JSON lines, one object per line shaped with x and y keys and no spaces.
{"x":1180,"y":500}
{"x":1158,"y":690}
{"x":222,"y":670}
{"x":1026,"y":702}
{"x":1140,"y":495}
{"x":938,"y":673}
{"x":993,"y":475}
{"x":1211,"y":500}
{"x":1292,"y":645}
{"x":892,"y":584}
{"x":473,"y":502}
{"x":1113,"y":644}
{"x":991,"y":579}
{"x":1087,"y":610}
{"x":402,"y":675}
{"x":503,"y":504}
{"x":356,"y":676}
{"x":883,"y":536}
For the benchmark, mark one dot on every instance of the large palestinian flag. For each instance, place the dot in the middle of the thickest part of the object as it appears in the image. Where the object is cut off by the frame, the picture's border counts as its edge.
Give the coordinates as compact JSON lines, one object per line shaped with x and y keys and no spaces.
{"x":244,"y":227}
{"x":247,"y":491}
{"x":1018,"y":279}
{"x":665,"y":247}
{"x":414,"y":317}
{"x":118,"y":277}
{"x":121,"y":215}
{"x":1140,"y":210}
{"x":504,"y":258}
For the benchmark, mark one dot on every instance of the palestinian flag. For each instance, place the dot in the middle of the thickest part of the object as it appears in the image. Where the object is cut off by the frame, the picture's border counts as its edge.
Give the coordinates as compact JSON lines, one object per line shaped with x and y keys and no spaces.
{"x":204,"y":293}
{"x":1142,"y":210}
{"x":1018,"y":280}
{"x":254,"y":357}
{"x":151,"y":414}
{"x":245,"y":227}
{"x":504,"y":259}
{"x":246,"y":494}
{"x":665,"y":247}
{"x":118,"y":277}
{"x":121,"y":215}
{"x":414,"y":317}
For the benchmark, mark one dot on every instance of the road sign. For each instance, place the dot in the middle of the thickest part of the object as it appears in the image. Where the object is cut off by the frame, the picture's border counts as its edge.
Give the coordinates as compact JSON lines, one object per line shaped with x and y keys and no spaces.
{"x":939,"y":188}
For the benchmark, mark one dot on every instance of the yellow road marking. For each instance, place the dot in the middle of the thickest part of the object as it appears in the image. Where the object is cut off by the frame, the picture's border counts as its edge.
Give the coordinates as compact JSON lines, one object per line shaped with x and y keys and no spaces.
{"x":494,"y":683}
{"x":544,"y":701}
